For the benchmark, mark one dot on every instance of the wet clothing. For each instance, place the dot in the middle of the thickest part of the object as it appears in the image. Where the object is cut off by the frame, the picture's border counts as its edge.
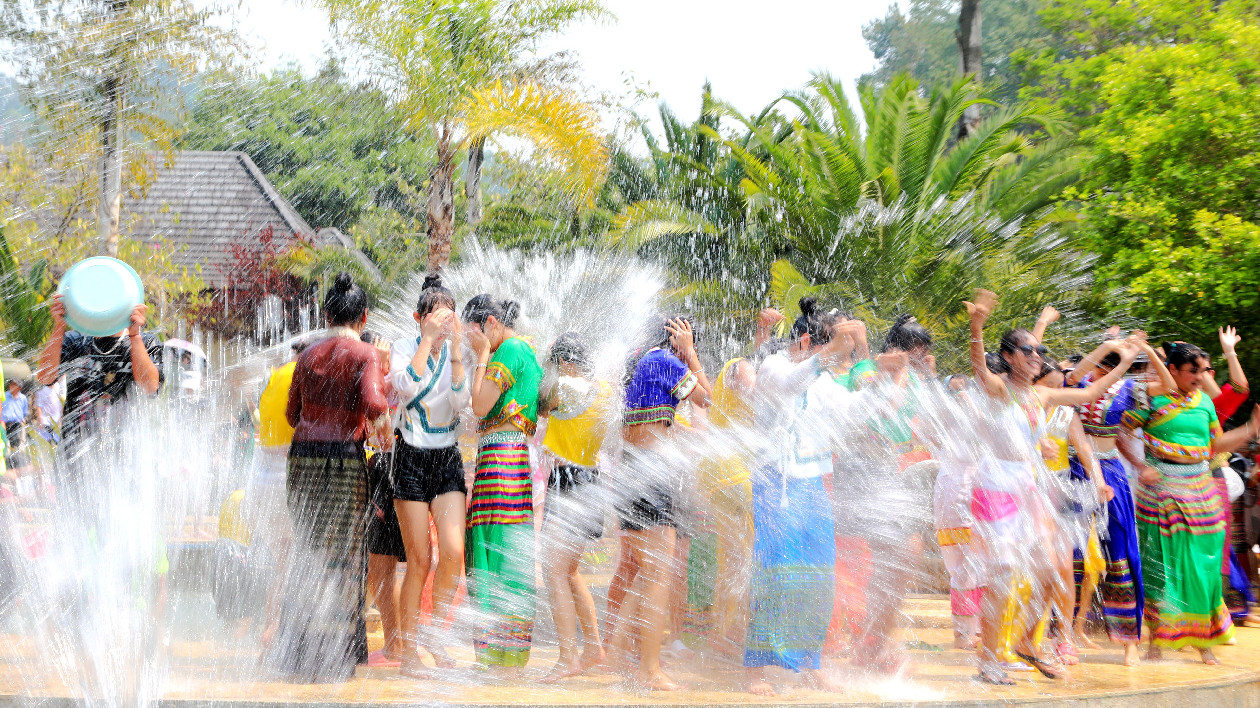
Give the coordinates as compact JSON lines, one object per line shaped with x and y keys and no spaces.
{"x":384,"y":535}
{"x":98,"y":375}
{"x":660,"y":381}
{"x":429,"y":400}
{"x":1177,"y":428}
{"x":514,"y":370}
{"x":337,"y":390}
{"x":576,"y":430}
{"x":274,"y":430}
{"x":424,"y":474}
{"x":1121,"y":586}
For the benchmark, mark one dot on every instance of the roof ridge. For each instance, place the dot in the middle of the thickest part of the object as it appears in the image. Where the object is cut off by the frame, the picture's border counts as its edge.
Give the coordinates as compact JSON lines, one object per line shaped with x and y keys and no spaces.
{"x":294,"y":220}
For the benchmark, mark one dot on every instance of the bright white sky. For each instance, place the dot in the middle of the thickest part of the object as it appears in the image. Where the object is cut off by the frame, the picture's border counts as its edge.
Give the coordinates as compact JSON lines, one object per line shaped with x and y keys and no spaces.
{"x":751,"y":50}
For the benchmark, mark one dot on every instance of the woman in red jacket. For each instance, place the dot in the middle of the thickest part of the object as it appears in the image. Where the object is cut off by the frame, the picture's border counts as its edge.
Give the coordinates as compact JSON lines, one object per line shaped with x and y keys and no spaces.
{"x":337,"y":397}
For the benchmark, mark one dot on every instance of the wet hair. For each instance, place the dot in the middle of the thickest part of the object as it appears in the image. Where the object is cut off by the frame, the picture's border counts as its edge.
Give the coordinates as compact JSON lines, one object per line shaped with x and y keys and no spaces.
{"x":1076,"y":358}
{"x":1180,"y":353}
{"x":1009,"y":345}
{"x":1110,"y":361}
{"x":770,"y":348}
{"x":300,"y":345}
{"x":570,"y":348}
{"x":345,"y":301}
{"x":907,"y":335}
{"x":949,"y":380}
{"x":369,"y":337}
{"x":812,"y":322}
{"x":657,"y":337}
{"x":995,"y":363}
{"x":434,"y":296}
{"x":482,"y":307}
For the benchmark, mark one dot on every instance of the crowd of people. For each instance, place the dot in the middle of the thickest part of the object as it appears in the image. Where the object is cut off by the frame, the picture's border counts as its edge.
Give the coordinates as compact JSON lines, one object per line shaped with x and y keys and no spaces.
{"x":1057,"y":491}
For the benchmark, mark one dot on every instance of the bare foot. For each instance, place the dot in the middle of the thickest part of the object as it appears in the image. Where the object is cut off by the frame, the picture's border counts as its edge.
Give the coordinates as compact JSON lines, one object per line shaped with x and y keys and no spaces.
{"x":592,"y":657}
{"x":962,"y":641}
{"x":1085,"y":641}
{"x":1208,"y":657}
{"x":657,"y":682}
{"x":820,"y":681}
{"x":757,"y":684}
{"x":413,"y":669}
{"x":441,"y":659}
{"x":1154,"y":653}
{"x":1131,"y":655}
{"x":562,"y":671}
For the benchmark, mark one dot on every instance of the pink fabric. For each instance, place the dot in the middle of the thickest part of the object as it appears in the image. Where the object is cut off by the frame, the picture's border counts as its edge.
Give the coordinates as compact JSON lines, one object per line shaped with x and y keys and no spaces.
{"x":965,"y":603}
{"x":990,"y":505}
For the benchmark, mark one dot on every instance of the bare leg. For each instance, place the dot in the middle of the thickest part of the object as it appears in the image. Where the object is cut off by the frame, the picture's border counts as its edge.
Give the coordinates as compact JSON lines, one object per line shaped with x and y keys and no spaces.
{"x":623,"y":578}
{"x":678,"y":589}
{"x":656,"y":559}
{"x":893,"y":565}
{"x":448,"y":515}
{"x":1089,"y":587}
{"x":413,"y":519}
{"x":584,"y":606}
{"x":383,"y":591}
{"x":1131,"y":654}
{"x":562,"y":565}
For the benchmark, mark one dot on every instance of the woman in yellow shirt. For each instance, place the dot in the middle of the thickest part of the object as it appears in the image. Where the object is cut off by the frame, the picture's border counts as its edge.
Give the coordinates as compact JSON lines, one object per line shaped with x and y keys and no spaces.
{"x":580,"y":417}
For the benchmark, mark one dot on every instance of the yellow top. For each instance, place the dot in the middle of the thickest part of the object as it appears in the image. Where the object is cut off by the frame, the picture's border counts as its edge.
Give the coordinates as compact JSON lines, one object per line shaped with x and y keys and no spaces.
{"x":729,"y":409}
{"x":273,"y":428}
{"x":231,"y":521}
{"x":576,"y":430}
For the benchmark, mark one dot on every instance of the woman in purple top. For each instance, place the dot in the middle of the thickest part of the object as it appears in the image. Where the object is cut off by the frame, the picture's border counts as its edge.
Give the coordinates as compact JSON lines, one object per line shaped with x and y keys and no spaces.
{"x":667,"y":374}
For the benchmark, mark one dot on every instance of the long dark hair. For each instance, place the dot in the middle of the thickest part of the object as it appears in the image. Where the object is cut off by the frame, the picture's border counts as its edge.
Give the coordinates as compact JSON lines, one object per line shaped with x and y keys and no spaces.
{"x":483,"y":307}
{"x":570,"y":348}
{"x":345,"y":302}
{"x":907,"y":335}
{"x":434,"y":296}
{"x":1180,"y":353}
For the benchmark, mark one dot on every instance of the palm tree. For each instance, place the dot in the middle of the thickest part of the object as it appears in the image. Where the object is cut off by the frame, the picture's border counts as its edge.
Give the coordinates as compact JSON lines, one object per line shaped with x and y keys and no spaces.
{"x":455,"y":68}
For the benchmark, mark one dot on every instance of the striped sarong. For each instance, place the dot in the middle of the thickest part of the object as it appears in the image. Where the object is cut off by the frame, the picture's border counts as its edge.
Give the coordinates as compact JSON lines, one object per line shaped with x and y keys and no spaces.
{"x":1181,"y":526}
{"x":499,"y":550}
{"x":794,"y":572}
{"x":322,"y":635}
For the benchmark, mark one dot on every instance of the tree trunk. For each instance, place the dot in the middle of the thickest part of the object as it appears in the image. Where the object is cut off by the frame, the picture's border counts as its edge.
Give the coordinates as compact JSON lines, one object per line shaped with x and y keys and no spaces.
{"x":968,"y":36}
{"x":111,"y":167}
{"x":472,"y":181}
{"x":441,"y":216}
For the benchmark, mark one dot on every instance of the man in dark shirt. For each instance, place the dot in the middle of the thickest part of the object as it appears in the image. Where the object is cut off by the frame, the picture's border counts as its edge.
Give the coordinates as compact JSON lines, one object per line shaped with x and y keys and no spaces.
{"x":99,"y":371}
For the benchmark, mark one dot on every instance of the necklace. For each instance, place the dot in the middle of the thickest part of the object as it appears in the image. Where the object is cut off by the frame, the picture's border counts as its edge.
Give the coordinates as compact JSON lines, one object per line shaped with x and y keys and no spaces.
{"x":96,"y":348}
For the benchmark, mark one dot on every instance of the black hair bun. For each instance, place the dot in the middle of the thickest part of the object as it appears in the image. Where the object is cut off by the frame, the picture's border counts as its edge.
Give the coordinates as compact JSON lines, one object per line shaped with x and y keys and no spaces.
{"x":432,"y":280}
{"x":344,"y":283}
{"x":808,"y":305}
{"x":903,"y":320}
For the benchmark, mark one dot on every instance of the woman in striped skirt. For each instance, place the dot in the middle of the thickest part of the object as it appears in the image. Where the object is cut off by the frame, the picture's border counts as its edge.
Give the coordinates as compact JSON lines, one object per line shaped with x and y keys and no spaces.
{"x":499,"y":548}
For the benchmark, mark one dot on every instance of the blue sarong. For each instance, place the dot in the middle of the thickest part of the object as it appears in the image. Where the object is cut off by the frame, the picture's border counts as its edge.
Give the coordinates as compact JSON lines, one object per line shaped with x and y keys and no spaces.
{"x":794,"y":570}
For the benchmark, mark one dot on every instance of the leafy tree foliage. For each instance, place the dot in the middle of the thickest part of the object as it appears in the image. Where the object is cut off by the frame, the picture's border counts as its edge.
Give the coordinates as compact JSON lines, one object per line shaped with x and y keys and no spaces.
{"x":920,"y":41}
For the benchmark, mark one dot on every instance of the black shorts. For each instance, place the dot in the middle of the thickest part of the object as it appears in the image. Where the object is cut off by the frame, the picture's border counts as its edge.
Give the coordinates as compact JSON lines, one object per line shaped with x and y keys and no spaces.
{"x":384,"y":535}
{"x":656,"y":508}
{"x":574,"y":507}
{"x":423,"y":474}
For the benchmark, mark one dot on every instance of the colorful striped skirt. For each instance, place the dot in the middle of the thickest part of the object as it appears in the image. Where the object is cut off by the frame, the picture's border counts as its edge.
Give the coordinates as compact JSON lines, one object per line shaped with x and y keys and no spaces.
{"x":499,"y":549}
{"x":1181,"y":526}
{"x":1123,"y":594}
{"x":321,"y":634}
{"x":794,"y":572}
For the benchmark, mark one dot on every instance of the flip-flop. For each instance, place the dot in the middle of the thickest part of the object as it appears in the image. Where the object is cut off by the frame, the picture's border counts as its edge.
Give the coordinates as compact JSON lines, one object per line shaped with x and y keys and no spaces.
{"x":1043,"y":666}
{"x":1067,"y":654}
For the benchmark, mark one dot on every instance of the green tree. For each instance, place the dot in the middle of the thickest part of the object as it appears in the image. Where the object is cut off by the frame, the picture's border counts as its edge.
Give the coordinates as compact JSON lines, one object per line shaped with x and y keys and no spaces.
{"x":921,"y":42}
{"x":1169,"y":200}
{"x":111,"y":68}
{"x":331,"y":147}
{"x":454,"y":67}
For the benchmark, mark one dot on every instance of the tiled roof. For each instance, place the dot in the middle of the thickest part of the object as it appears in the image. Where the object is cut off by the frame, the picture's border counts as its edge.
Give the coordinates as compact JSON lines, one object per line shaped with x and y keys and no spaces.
{"x":205,"y":201}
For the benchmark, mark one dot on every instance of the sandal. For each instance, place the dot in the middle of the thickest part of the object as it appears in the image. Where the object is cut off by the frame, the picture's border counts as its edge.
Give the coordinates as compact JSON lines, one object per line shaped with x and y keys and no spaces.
{"x":1046,"y":668}
{"x":994,"y":677}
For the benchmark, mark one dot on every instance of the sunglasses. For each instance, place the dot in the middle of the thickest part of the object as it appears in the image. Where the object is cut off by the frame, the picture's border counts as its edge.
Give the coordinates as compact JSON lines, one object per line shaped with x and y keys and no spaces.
{"x":1029,"y":349}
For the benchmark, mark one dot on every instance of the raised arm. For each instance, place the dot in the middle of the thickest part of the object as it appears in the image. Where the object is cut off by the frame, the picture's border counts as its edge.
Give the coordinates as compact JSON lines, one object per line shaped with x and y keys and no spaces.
{"x":1048,"y":316}
{"x":1077,"y":396}
{"x":682,"y":339}
{"x":1229,"y":340}
{"x":766,"y":320}
{"x":1089,"y":364}
{"x":1166,"y":383}
{"x":1085,"y":451}
{"x":50,"y":355}
{"x":979,"y":311}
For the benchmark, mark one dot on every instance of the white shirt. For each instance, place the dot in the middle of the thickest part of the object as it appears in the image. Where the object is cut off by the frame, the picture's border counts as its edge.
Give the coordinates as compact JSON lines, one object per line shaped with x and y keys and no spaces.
{"x":805,"y":411}
{"x":429,"y":402}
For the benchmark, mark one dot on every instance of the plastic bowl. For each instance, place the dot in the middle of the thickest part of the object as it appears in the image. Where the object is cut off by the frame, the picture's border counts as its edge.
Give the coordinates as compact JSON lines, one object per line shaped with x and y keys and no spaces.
{"x":99,"y":295}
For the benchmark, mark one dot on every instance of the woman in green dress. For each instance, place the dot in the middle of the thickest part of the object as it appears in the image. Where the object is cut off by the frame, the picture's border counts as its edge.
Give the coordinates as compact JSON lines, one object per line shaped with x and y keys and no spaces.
{"x":499,"y":548}
{"x":1180,"y":521}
